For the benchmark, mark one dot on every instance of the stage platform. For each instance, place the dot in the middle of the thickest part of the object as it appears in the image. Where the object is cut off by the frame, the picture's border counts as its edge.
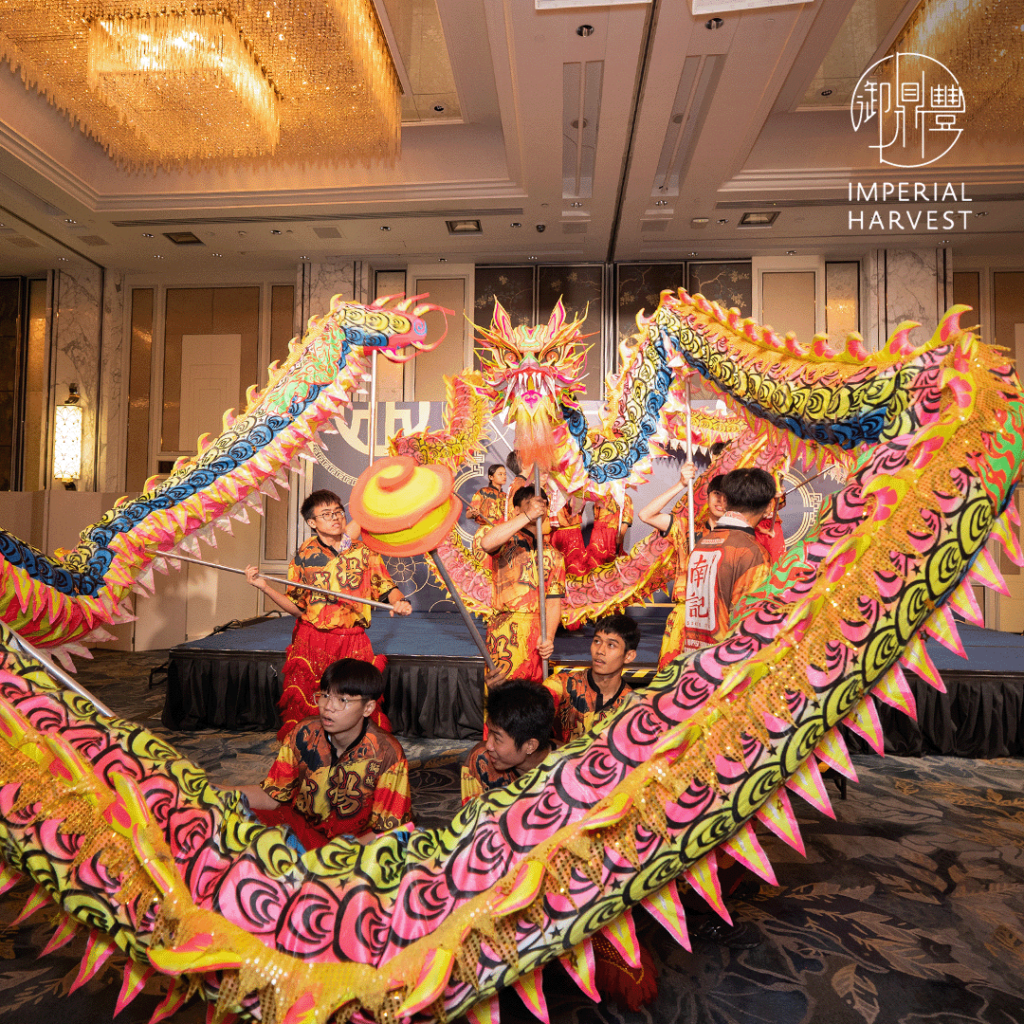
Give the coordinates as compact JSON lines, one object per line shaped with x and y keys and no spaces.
{"x":232,"y":680}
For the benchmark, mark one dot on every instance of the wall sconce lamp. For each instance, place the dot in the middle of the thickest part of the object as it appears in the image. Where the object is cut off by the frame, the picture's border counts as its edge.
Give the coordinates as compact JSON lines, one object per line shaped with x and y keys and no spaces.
{"x":67,"y":440}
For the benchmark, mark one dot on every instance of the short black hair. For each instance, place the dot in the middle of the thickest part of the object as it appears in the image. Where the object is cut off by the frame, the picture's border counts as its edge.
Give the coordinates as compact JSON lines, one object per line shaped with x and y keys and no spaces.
{"x":353,"y":678}
{"x":748,"y":490}
{"x":717,"y":448}
{"x":715,"y":484}
{"x":315,"y":500}
{"x":492,"y":469}
{"x":526,"y":711}
{"x":527,"y":491}
{"x":513,"y":463}
{"x":623,"y":626}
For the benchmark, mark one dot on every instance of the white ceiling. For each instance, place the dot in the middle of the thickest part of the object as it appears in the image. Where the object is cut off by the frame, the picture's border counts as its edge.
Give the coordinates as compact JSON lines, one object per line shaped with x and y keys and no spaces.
{"x":662,"y":154}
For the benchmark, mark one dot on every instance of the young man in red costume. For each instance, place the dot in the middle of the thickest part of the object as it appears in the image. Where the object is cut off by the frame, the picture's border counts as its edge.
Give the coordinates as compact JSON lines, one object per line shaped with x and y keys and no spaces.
{"x":337,"y":773}
{"x":590,"y":696}
{"x":674,"y":525}
{"x":519,"y":719}
{"x":328,"y":628}
{"x":727,"y":562}
{"x":514,"y":639}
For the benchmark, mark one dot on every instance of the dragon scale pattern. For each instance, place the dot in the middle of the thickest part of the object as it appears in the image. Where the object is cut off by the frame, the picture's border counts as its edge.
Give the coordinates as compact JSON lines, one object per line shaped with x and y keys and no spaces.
{"x":135,"y":845}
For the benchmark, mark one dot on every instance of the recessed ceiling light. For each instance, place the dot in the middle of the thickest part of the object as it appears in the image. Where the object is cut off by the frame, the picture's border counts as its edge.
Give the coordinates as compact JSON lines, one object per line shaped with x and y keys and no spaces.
{"x":303,"y":257}
{"x":977,"y":213}
{"x":661,"y":202}
{"x":439,"y":107}
{"x":385,"y":227}
{"x":70,"y":220}
{"x":826,"y":92}
{"x":158,"y":257}
{"x":217,"y":254}
{"x":944,"y":241}
{"x":693,"y":254}
{"x":723,"y":220}
{"x":699,"y":222}
{"x":464,"y":227}
{"x":713,"y":23}
{"x":585,"y":30}
{"x":575,"y":204}
{"x":275,"y":231}
{"x":515,"y":224}
{"x":532,"y":257}
{"x":147,"y":234}
{"x":442,"y":259}
{"x":758,"y":220}
{"x":63,"y":259}
{"x":184,"y":237}
{"x":791,"y":252}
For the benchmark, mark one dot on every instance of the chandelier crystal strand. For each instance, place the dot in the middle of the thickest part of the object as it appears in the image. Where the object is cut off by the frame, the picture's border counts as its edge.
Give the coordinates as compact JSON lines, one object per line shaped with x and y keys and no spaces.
{"x":249,"y":81}
{"x":982,"y":44}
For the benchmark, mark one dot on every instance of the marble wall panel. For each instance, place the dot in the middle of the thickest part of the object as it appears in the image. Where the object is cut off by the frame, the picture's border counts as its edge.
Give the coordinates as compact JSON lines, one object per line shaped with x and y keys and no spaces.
{"x":905,"y":284}
{"x":112,"y":425}
{"x":318,"y":283}
{"x":76,"y":340}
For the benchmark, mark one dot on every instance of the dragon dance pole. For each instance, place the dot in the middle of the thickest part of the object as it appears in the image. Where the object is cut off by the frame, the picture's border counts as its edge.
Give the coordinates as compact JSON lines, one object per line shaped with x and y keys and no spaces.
{"x":372,"y":437}
{"x":288,"y":583}
{"x":541,"y":589}
{"x":463,"y":610}
{"x":689,"y":458}
{"x":59,"y":674}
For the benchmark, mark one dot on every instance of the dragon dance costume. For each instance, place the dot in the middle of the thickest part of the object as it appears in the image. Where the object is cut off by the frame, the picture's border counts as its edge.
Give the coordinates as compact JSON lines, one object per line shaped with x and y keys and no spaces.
{"x":514,"y":631}
{"x":487,"y":506}
{"x":329,"y":629}
{"x":726,"y":564}
{"x":129,"y":840}
{"x":609,"y":519}
{"x":581,"y":705}
{"x":324,"y":793}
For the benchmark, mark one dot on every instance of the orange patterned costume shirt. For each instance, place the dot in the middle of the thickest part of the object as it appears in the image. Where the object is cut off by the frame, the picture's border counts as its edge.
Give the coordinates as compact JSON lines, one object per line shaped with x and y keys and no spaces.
{"x":480,"y":775}
{"x":364,"y":789}
{"x":487,"y":506}
{"x":725,"y":565}
{"x":357,"y":570}
{"x":513,"y":633}
{"x":514,"y":573}
{"x":582,"y":705}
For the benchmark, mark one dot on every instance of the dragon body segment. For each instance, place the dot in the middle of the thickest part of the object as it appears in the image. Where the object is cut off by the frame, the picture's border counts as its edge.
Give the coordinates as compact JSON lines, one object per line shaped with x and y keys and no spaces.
{"x":436,"y":923}
{"x":63,"y":602}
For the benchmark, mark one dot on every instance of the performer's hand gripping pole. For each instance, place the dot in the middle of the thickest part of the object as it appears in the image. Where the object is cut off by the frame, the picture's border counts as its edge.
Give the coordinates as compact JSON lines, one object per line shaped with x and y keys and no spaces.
{"x":541,"y":589}
{"x":288,"y":583}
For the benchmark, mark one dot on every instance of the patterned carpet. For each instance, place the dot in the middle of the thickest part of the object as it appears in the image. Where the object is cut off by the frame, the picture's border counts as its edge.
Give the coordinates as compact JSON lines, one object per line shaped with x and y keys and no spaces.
{"x":908,"y":909}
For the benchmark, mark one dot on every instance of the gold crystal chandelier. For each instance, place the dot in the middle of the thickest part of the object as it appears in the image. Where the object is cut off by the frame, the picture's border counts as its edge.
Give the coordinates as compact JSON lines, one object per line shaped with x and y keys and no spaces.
{"x":308,"y":81}
{"x":982,"y":43}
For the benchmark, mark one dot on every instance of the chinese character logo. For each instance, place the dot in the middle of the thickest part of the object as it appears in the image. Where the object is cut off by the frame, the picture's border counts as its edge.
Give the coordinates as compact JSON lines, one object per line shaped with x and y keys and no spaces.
{"x":909,"y":102}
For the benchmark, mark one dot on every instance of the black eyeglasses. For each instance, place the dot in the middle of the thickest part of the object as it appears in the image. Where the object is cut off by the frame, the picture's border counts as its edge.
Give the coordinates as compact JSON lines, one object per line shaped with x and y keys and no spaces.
{"x":332,"y":513}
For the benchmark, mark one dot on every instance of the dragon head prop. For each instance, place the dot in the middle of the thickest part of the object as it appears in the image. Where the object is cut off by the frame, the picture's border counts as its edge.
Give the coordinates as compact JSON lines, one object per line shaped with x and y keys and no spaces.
{"x":531,"y":375}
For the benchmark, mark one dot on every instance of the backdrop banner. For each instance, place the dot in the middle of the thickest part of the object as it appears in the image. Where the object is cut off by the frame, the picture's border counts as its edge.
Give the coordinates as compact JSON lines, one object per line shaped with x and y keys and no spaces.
{"x":339,"y":463}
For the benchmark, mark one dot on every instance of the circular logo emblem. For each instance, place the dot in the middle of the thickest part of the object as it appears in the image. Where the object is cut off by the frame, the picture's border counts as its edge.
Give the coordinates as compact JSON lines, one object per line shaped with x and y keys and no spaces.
{"x":909,"y":103}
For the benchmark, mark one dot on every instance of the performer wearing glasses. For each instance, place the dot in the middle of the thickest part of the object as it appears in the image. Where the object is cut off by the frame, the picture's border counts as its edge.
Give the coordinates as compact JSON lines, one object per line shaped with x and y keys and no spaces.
{"x":337,"y":773}
{"x":328,"y":628}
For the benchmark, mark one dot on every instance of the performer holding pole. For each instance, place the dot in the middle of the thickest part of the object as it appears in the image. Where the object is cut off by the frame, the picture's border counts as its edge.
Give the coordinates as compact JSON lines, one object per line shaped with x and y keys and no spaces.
{"x":689,"y":459}
{"x":515,"y":638}
{"x":541,"y":592}
{"x":344,"y":595}
{"x":327,"y":628}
